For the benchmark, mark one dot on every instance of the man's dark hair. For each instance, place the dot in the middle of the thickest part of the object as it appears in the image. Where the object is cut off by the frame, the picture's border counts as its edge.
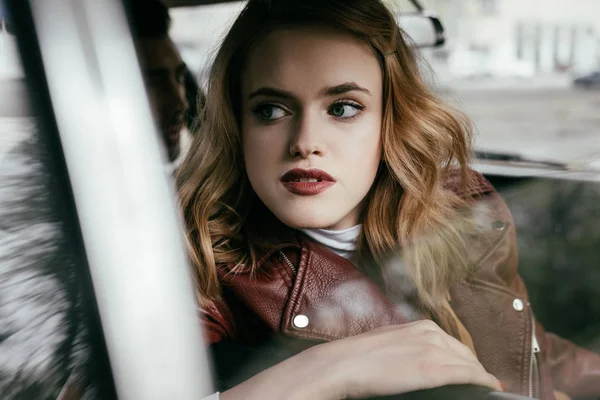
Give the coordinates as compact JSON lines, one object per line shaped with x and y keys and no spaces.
{"x":149,"y":19}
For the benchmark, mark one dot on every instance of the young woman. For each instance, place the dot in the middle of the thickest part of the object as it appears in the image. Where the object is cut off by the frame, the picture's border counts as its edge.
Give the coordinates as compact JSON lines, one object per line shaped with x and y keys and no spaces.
{"x":328,"y":199}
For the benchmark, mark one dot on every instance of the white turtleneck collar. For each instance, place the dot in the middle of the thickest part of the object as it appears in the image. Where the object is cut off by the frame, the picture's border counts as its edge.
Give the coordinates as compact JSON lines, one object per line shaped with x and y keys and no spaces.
{"x":341,"y":242}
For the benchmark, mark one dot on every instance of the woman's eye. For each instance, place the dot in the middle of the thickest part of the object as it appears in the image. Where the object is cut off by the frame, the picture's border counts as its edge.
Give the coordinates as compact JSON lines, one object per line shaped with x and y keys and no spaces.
{"x":269,"y":112}
{"x":345,"y":110}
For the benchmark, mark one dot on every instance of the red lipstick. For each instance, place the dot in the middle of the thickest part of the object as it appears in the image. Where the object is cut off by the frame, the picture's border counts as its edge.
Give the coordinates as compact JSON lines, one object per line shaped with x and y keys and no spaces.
{"x":307,"y":182}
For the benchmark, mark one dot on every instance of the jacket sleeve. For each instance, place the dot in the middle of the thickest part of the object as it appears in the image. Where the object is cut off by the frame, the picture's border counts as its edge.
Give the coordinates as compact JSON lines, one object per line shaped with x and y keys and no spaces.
{"x":575,"y":370}
{"x":217,"y":322}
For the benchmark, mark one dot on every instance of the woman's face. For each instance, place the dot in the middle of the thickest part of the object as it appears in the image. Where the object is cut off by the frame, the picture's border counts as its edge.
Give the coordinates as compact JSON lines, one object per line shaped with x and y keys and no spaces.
{"x":311,"y":125}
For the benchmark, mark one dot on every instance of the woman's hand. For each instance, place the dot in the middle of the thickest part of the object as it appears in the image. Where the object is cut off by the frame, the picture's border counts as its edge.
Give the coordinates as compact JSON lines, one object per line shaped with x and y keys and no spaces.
{"x":390,"y":360}
{"x":403,"y":358}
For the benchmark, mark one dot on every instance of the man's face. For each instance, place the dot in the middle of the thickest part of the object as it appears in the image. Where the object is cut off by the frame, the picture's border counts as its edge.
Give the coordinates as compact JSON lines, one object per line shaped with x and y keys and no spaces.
{"x":164,"y":74}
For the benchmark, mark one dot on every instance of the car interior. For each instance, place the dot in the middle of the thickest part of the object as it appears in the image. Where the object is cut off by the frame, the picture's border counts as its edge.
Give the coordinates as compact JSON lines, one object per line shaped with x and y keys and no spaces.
{"x":122,"y":249}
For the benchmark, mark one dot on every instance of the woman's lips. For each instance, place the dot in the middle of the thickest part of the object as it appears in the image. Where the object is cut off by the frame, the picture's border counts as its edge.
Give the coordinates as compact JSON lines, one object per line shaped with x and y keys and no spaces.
{"x":307,"y":182}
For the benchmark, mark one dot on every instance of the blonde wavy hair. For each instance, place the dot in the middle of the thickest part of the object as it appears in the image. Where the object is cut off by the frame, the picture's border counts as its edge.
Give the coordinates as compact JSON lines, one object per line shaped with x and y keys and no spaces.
{"x":408,"y":206}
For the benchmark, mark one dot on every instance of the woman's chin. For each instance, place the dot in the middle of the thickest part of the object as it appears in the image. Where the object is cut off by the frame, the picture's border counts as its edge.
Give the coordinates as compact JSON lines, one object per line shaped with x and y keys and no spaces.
{"x":313,"y":213}
{"x":315,"y":221}
{"x":307,"y":221}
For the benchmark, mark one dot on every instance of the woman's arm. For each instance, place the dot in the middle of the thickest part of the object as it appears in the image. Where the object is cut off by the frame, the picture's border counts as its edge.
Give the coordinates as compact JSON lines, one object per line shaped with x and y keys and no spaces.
{"x":390,"y":360}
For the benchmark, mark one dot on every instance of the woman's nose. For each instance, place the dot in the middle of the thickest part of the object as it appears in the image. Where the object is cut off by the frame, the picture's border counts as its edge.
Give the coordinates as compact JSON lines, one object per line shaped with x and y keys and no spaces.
{"x":308,"y":137}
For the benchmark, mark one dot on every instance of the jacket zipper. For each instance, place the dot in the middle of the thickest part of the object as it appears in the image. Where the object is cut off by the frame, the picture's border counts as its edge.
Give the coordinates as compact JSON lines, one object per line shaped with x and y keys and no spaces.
{"x":287,"y":261}
{"x":535,"y":349}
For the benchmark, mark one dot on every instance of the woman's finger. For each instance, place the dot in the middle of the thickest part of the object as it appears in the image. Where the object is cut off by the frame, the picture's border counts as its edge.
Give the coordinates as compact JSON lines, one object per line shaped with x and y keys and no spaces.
{"x":459,"y":373}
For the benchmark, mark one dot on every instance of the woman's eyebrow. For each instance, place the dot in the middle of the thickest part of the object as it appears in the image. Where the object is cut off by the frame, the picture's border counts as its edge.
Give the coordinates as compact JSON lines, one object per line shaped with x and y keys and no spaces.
{"x":271,"y":92}
{"x":341,"y":89}
{"x":325,"y":92}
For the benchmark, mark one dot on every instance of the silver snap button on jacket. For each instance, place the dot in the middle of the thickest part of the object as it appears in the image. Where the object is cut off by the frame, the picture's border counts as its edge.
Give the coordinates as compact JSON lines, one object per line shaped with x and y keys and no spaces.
{"x":300,"y":321}
{"x":518,"y":304}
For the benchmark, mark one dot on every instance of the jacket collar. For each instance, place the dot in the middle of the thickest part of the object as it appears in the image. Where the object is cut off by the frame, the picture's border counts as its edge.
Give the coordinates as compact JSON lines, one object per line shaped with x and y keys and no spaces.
{"x":305,"y":290}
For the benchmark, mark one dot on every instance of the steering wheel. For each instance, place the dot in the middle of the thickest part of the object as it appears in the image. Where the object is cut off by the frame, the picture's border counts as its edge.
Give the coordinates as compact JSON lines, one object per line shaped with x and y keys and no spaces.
{"x":454,"y":392}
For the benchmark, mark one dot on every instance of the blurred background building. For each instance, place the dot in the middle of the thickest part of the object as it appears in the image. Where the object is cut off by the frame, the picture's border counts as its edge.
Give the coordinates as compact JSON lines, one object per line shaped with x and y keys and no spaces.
{"x":550,"y":41}
{"x":517,"y":38}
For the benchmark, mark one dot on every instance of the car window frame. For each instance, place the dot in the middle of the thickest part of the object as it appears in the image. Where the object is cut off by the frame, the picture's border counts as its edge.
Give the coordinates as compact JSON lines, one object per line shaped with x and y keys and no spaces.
{"x":179,"y":366}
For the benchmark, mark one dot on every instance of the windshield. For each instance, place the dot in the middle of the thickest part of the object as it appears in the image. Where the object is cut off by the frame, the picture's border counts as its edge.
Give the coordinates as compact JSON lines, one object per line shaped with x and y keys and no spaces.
{"x":525,"y":76}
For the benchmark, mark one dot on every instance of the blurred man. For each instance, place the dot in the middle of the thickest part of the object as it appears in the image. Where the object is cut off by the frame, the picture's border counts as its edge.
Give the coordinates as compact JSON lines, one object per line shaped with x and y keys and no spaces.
{"x":163,"y":69}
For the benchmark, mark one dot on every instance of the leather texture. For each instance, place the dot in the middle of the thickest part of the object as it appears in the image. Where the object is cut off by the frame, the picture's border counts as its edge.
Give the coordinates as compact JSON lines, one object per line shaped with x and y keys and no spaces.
{"x":333,"y":299}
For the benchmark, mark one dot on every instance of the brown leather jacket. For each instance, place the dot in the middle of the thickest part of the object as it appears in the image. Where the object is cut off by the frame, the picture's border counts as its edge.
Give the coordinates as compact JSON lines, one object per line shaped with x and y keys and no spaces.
{"x":306,"y":291}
